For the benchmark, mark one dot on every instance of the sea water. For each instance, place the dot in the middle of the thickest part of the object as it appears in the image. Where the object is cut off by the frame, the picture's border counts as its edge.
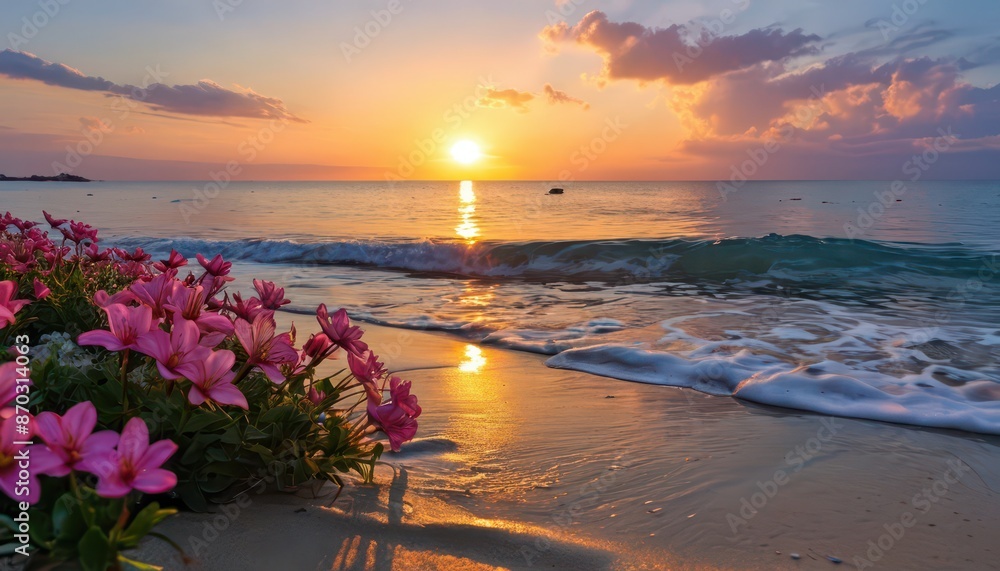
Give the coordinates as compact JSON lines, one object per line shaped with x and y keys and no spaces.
{"x":857,"y":299}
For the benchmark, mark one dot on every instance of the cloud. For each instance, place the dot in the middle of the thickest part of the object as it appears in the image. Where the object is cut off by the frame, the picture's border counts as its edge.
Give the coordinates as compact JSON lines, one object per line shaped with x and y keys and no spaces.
{"x":206,"y":98}
{"x":95,"y":124}
{"x":850,"y":114}
{"x":505,"y":98}
{"x":133,"y":130}
{"x":555,"y":96}
{"x":677,"y":54}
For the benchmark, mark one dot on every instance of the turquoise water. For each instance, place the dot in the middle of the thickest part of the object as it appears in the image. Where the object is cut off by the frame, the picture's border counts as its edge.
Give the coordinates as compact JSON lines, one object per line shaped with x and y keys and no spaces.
{"x":849,"y":298}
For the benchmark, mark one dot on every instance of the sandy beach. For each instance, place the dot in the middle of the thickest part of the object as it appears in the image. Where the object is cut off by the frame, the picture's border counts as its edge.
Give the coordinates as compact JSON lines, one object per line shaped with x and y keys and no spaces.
{"x":519,"y":466}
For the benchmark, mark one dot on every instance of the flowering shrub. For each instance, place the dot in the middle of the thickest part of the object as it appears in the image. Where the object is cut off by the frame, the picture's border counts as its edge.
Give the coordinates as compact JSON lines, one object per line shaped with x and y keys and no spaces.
{"x":174,"y":391}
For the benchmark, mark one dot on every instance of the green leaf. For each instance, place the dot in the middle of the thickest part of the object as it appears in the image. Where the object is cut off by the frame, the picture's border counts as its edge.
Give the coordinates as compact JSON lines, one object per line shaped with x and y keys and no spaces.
{"x":204,"y":422}
{"x":141,"y":525}
{"x":127,"y":563}
{"x":95,"y":552}
{"x":8,"y":522}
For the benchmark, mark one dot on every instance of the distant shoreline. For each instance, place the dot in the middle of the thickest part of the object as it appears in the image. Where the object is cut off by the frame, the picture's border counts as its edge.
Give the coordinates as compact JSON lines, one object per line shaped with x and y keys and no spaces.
{"x":61,"y":177}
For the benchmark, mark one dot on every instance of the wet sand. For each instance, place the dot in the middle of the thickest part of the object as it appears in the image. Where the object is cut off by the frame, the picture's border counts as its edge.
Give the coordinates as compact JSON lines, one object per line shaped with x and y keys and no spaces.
{"x":518,"y":466}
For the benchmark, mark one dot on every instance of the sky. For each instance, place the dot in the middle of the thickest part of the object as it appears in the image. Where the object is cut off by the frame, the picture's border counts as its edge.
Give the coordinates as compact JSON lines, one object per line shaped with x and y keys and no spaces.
{"x":552,"y":90}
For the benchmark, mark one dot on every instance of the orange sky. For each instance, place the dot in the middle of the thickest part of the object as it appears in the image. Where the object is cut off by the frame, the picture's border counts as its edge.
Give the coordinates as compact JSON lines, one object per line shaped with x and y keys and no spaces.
{"x":549,"y":90}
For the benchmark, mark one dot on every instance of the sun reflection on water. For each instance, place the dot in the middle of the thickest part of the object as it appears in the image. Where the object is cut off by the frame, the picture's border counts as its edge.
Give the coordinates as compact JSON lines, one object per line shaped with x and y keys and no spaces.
{"x":467,"y":228}
{"x":474,"y":360}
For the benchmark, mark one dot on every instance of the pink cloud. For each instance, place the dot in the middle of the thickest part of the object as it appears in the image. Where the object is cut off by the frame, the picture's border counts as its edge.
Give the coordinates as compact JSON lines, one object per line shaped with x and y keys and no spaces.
{"x":555,"y":97}
{"x":677,"y":54}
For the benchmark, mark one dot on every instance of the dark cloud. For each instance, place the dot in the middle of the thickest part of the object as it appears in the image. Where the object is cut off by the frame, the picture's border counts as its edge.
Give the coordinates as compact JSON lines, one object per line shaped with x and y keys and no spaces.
{"x":677,"y":54}
{"x":206,"y":98}
{"x":554,"y":96}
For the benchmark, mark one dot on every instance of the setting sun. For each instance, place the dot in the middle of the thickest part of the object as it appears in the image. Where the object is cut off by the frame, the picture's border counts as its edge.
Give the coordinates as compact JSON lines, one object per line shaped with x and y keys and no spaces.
{"x":466,"y":152}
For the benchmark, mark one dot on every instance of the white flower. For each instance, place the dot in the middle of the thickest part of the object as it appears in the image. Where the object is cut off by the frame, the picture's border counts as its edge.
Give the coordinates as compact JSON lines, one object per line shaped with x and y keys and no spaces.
{"x":60,"y":346}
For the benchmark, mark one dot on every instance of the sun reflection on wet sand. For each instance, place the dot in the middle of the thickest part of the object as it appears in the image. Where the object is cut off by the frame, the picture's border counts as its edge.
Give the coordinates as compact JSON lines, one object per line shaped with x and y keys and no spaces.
{"x":483,"y":418}
{"x":467,"y":228}
{"x":474,"y":360}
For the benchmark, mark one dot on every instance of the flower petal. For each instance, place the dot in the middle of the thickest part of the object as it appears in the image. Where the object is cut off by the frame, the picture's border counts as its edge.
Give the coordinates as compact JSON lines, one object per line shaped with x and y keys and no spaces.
{"x":155,"y":481}
{"x":80,"y":420}
{"x":229,"y":394}
{"x":157,"y":453}
{"x":100,"y":337}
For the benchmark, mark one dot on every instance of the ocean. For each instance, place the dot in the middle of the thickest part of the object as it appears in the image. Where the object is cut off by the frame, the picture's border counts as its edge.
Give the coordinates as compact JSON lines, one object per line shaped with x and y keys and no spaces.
{"x":873,"y":300}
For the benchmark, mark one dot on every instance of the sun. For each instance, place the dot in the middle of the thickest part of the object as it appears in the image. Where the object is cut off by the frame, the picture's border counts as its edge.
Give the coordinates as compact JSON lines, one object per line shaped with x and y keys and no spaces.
{"x":466,"y":152}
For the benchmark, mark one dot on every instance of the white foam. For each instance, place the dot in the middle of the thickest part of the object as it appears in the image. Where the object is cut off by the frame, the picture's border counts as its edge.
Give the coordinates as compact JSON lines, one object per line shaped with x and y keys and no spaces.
{"x":828,"y":387}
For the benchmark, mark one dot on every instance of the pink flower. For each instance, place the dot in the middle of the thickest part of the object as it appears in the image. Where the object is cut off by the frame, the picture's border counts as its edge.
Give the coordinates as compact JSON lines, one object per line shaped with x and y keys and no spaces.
{"x":247,"y":310}
{"x":172,"y":263}
{"x":394,"y":421}
{"x":172,"y":350}
{"x":135,"y":465}
{"x":367,"y":370}
{"x":138,"y":256}
{"x":315,"y":396}
{"x":339,"y":329}
{"x":54,"y":222}
{"x":20,"y":254}
{"x":399,"y":390}
{"x":124,"y":297}
{"x":9,"y":220}
{"x":216,"y":266}
{"x":127,"y":325}
{"x":366,"y":366}
{"x":271,"y":296}
{"x":156,"y":292}
{"x":96,"y":255}
{"x":8,"y":305}
{"x":78,"y":232}
{"x":211,"y":377}
{"x":70,"y":441}
{"x":316,"y":346}
{"x":189,"y":303}
{"x":41,"y":290}
{"x":10,"y":465}
{"x":264,"y":348}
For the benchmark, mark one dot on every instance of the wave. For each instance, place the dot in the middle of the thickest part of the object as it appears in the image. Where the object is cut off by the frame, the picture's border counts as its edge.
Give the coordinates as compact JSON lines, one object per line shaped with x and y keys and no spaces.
{"x":967,"y":402}
{"x":629,"y":260}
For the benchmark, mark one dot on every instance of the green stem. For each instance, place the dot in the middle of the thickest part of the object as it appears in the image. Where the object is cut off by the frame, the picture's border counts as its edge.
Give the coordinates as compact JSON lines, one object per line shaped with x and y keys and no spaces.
{"x":124,"y":378}
{"x":79,"y":498}
{"x":242,"y":372}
